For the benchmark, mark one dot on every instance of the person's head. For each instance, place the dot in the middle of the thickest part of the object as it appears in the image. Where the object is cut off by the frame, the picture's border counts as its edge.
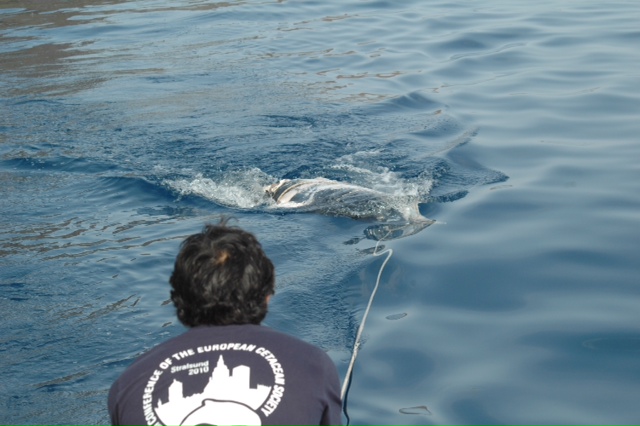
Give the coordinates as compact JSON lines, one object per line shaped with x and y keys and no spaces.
{"x":221,"y":277}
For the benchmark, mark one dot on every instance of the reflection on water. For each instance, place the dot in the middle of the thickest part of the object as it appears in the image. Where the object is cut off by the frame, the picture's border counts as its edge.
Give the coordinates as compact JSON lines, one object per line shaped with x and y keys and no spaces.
{"x":419,"y":410}
{"x":25,"y":53}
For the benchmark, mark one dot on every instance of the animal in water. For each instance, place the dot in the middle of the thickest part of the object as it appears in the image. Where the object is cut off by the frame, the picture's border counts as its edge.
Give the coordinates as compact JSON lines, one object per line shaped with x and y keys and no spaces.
{"x":399,"y":216}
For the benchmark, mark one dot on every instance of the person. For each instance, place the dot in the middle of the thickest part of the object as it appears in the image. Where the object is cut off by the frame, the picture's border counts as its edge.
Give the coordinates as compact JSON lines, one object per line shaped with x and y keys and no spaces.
{"x":226,"y":368}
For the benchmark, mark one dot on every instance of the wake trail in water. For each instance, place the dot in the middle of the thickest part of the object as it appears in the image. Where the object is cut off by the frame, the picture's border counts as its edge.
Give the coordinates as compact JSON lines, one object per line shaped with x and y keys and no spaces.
{"x":380,"y":197}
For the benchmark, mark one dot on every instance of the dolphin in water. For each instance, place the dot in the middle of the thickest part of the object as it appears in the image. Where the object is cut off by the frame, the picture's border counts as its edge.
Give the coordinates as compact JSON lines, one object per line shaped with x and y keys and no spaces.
{"x":329,"y":197}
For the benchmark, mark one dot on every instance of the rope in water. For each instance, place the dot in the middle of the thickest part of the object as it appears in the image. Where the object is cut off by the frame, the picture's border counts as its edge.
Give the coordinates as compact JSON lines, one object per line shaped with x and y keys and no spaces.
{"x":357,"y":343}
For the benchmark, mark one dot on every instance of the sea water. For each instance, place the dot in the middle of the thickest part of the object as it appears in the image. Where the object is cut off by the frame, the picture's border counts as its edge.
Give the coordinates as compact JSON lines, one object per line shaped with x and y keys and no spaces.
{"x":125,"y":126}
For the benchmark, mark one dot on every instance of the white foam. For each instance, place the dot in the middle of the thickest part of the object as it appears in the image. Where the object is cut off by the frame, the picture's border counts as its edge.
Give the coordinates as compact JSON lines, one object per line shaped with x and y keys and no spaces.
{"x":242,"y":190}
{"x":383,"y":180}
{"x":245,"y":190}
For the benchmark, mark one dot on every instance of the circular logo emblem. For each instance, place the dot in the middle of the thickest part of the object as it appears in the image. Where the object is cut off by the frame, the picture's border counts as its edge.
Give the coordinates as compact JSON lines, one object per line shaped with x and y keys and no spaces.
{"x":229,"y":383}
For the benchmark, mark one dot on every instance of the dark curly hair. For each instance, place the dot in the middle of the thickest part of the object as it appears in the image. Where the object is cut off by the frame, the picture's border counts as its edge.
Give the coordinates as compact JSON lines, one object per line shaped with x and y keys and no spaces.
{"x":221,"y":277}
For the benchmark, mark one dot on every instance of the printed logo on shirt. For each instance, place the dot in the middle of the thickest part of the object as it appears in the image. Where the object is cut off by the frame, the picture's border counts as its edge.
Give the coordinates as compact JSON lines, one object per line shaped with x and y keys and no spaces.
{"x":229,"y":383}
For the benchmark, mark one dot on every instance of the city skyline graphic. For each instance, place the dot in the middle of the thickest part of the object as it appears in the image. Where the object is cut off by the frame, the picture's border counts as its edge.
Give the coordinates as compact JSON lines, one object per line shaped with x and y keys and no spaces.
{"x":227,"y":392}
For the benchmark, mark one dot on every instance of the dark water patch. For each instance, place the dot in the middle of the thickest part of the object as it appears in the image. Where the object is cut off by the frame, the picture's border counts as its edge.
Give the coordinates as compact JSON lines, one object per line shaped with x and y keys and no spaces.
{"x":471,"y":410}
{"x":411,"y":101}
{"x":128,"y":191}
{"x":465,"y":43}
{"x":395,"y":317}
{"x":52,"y":385}
{"x":416,"y":411}
{"x":478,"y":287}
{"x":306,"y":267}
{"x":454,"y":176}
{"x":604,"y":354}
{"x":449,"y":197}
{"x":620,"y":344}
{"x":42,"y":162}
{"x":413,"y":370}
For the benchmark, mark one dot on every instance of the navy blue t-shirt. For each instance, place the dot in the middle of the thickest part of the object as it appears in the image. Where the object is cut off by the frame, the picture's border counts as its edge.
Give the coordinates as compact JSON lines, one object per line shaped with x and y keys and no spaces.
{"x":235,"y":374}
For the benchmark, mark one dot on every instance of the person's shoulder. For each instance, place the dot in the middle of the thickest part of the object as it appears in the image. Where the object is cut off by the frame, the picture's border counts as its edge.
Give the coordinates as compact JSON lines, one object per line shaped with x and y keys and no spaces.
{"x":153,"y":356}
{"x":280,"y":335}
{"x":291,"y":343}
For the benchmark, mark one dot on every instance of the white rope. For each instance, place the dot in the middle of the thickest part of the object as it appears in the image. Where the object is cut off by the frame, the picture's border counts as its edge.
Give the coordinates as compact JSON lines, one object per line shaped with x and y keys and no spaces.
{"x":356,"y":345}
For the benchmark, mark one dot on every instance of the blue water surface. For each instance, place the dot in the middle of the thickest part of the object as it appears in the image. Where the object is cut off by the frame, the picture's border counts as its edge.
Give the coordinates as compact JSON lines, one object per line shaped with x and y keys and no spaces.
{"x":126,"y":125}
